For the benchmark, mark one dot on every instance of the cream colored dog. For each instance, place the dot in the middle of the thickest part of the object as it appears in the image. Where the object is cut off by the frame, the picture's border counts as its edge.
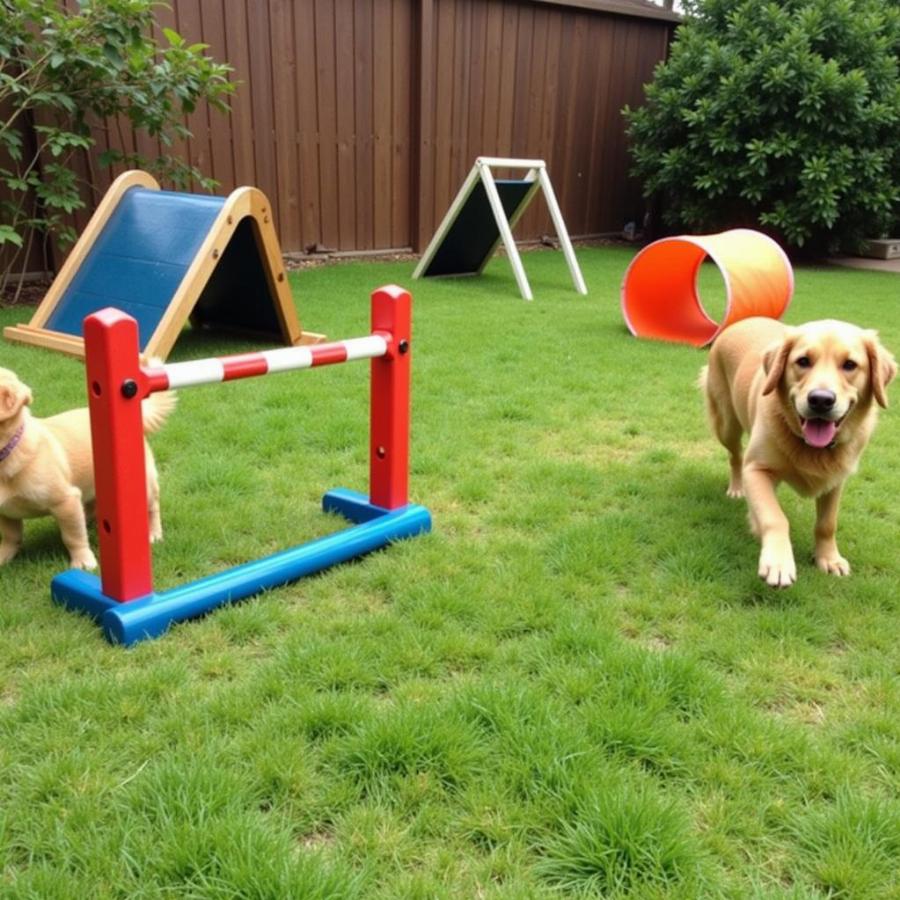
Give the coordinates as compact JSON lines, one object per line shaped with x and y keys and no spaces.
{"x":46,"y":468}
{"x":808,"y":397}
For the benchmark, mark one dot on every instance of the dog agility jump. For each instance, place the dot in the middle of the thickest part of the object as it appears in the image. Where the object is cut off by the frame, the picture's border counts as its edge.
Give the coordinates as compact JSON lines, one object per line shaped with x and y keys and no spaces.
{"x":484,"y":213}
{"x":660,"y":298}
{"x":165,"y":257}
{"x":122,"y":599}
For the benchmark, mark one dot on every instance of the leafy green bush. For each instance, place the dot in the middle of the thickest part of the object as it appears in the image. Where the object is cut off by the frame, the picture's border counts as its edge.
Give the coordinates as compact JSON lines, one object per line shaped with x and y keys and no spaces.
{"x":60,"y":70}
{"x":782,"y":116}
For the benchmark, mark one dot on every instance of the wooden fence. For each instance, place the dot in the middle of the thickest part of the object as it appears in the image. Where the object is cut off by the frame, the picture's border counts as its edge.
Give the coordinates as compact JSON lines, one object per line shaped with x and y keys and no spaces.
{"x":360,"y":118}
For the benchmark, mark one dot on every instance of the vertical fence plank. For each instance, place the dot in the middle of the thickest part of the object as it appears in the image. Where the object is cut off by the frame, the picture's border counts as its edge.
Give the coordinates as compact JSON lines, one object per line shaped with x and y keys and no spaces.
{"x":190,"y":26}
{"x":478,"y":86}
{"x":504,"y":124}
{"x":458,"y":108}
{"x":402,"y":134}
{"x":284,"y":89}
{"x":306,"y":97}
{"x":344,"y":35}
{"x":426,"y":95}
{"x":491,"y":110}
{"x":120,"y":132}
{"x":220,"y":137}
{"x":623,"y":198}
{"x":382,"y":109}
{"x":532,"y":223}
{"x":364,"y":123}
{"x":601,"y":41}
{"x":261,"y":95}
{"x":327,"y":117}
{"x":237,"y":48}
{"x":443,"y":79}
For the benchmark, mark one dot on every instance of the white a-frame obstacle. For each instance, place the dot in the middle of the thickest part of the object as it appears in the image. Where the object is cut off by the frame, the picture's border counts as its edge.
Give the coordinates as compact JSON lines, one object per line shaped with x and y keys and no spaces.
{"x":484,"y":213}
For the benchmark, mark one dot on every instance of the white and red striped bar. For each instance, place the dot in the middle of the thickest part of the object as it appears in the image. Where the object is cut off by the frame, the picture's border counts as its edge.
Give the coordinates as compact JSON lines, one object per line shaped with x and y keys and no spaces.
{"x":265,"y":362}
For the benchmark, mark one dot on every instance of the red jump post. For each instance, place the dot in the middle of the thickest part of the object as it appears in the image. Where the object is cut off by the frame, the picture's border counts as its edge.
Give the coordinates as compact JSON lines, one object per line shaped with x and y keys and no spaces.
{"x":116,"y":387}
{"x":389,"y":423}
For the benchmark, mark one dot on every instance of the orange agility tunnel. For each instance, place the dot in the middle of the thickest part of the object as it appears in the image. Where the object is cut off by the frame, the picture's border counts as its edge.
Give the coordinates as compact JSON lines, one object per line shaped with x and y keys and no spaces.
{"x":660,"y":298}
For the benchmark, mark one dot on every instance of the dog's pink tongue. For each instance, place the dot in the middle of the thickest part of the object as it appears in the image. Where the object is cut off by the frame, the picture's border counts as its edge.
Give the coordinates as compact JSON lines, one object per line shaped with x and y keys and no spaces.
{"x":818,"y":432}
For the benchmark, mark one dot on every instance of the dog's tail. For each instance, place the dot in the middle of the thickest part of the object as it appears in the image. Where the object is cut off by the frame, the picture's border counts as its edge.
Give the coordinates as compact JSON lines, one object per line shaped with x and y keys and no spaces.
{"x":156,"y":408}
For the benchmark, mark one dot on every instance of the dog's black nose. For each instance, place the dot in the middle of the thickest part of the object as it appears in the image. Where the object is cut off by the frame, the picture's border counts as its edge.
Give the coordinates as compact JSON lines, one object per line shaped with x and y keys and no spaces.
{"x":820,"y":401}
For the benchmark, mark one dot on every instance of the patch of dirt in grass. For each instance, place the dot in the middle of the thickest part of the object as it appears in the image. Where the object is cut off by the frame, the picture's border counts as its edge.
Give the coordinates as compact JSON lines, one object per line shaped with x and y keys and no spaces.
{"x":30,"y":294}
{"x":800,"y":710}
{"x":804,"y":712}
{"x":657,"y":643}
{"x":323,"y":257}
{"x":315,"y":840}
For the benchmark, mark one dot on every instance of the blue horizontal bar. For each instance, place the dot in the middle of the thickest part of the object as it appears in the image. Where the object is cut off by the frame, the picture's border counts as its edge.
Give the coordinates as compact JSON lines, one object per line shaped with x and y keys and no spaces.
{"x":148,"y":617}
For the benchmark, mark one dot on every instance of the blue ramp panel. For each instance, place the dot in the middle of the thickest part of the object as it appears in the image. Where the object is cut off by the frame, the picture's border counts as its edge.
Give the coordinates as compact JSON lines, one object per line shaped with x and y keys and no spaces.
{"x":139,"y":259}
{"x":149,"y":617}
{"x":473,"y":235}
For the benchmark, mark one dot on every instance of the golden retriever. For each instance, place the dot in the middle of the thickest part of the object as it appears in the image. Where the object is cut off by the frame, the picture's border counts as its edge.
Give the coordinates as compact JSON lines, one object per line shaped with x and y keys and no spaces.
{"x":808,"y":398}
{"x":46,"y":468}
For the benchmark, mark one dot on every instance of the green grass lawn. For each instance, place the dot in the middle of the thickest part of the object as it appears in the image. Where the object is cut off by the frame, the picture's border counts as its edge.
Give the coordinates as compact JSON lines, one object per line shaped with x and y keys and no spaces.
{"x":575,"y":686}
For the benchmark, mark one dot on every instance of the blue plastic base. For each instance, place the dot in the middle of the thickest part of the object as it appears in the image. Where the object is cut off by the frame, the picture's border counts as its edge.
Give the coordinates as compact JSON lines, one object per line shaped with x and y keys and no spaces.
{"x":150,"y":616}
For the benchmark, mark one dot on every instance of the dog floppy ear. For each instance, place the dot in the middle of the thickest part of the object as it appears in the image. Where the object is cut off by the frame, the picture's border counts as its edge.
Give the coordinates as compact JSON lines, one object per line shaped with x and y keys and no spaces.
{"x":775,"y":362}
{"x":13,"y":396}
{"x":882,"y":367}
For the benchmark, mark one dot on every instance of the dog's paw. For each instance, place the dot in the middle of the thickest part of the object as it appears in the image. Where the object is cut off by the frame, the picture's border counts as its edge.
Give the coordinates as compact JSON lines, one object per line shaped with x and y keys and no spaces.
{"x":156,"y":536}
{"x":735,"y":491}
{"x":777,"y":570}
{"x":7,"y":552}
{"x":834,"y":564}
{"x":83,"y":559}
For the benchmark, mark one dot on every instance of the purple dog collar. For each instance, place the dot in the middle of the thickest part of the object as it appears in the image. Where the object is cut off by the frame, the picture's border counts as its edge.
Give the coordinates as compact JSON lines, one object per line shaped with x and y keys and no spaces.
{"x":13,"y":442}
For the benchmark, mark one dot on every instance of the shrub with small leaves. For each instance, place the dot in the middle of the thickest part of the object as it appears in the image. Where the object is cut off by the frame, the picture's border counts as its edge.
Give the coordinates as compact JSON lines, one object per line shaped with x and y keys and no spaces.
{"x":781,"y":116}
{"x":63,"y":69}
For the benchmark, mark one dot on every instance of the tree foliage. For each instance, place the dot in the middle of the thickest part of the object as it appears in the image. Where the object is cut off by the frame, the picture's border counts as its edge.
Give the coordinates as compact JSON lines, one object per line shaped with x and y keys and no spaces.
{"x":64,"y":69}
{"x":779,"y":115}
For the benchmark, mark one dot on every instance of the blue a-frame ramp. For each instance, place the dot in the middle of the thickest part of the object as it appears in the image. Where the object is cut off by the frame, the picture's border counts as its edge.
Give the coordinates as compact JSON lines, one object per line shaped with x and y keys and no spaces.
{"x":164,"y":257}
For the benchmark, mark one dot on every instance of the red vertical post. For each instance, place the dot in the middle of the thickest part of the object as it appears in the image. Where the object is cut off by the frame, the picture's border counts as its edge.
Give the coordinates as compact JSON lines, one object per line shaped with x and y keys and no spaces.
{"x":389,"y":429}
{"x":116,"y":387}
